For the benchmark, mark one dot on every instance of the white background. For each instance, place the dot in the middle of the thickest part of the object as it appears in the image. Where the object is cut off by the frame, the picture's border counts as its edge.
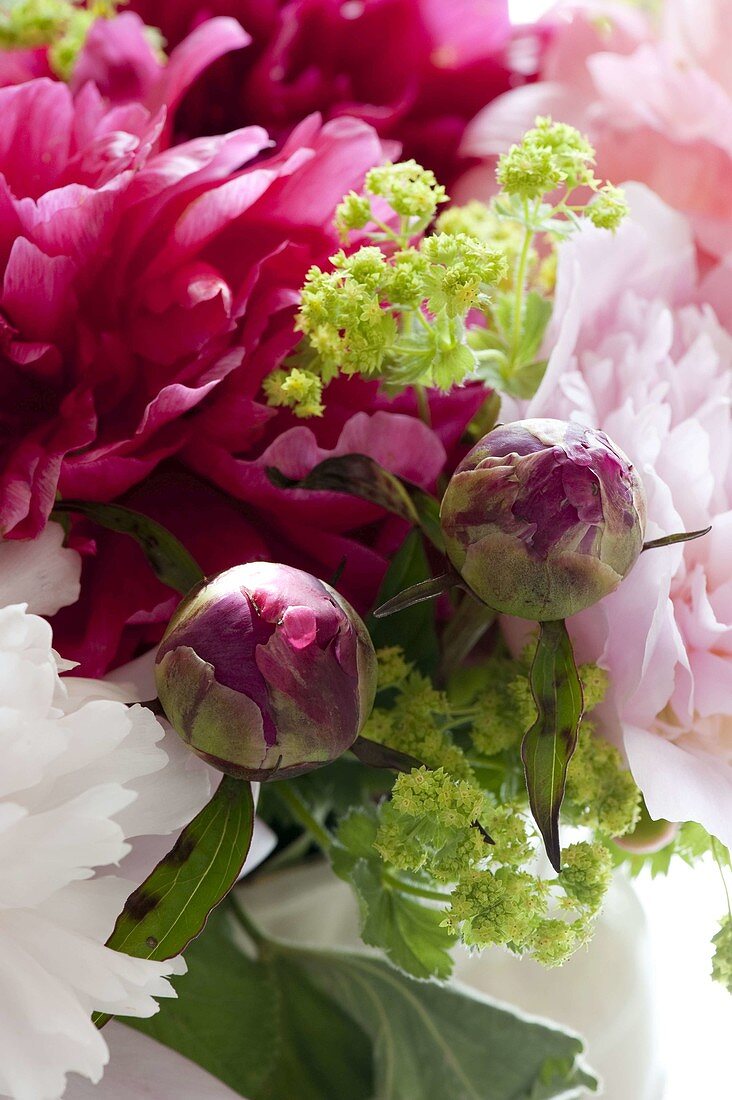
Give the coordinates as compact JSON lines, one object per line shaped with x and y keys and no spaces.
{"x":695,"y":1013}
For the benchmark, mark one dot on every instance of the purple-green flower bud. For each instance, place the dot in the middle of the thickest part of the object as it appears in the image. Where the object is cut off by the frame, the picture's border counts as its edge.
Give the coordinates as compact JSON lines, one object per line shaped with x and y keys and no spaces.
{"x":266,"y":672}
{"x":543,"y":518}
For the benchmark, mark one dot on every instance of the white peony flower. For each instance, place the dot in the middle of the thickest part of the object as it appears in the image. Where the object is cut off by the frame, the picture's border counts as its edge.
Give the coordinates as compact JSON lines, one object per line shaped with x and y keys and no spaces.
{"x":80,"y":778}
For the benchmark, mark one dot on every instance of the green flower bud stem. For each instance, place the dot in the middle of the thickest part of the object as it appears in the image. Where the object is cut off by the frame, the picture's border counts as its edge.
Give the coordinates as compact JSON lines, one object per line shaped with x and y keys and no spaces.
{"x":521,"y":268}
{"x":468,"y":624}
{"x":423,"y":405}
{"x":300,"y":812}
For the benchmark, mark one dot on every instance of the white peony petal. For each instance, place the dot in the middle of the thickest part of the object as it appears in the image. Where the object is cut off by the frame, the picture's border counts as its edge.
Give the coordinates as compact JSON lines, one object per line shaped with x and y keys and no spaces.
{"x":40,"y":572}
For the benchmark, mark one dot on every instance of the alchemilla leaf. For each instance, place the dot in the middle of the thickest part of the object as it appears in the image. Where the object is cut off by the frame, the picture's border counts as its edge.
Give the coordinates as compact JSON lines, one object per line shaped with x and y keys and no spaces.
{"x":326,"y":1025}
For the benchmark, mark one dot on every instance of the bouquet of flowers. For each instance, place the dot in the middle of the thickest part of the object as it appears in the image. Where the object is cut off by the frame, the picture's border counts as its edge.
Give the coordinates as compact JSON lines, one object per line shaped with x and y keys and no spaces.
{"x":366,"y":504}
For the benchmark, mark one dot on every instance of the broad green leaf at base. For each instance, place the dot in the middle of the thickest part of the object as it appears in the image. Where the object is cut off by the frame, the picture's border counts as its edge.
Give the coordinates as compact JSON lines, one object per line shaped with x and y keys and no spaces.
{"x":305,"y":1024}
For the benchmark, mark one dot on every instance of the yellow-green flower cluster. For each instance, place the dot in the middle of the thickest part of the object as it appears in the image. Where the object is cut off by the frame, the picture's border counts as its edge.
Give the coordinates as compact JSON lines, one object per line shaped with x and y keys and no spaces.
{"x":419,"y":720}
{"x":61,"y":25}
{"x":554,"y":155}
{"x":549,"y":155}
{"x":504,"y":708}
{"x":608,"y":208}
{"x":299,"y":390}
{"x":436,"y":825}
{"x":513,"y":907}
{"x":409,"y":190}
{"x":392,"y":310}
{"x":601,"y":792}
{"x":427,"y":825}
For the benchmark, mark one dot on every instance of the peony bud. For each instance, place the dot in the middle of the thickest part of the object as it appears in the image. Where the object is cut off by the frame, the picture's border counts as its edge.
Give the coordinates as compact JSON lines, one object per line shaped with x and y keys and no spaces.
{"x":266,"y":672}
{"x":543,"y":518}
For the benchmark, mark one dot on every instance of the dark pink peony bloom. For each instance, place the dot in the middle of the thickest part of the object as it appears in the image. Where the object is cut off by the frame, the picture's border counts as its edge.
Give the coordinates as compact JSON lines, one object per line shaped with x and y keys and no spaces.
{"x":134,"y":282}
{"x":248,"y":519}
{"x":417,"y":70}
{"x":266,"y":672}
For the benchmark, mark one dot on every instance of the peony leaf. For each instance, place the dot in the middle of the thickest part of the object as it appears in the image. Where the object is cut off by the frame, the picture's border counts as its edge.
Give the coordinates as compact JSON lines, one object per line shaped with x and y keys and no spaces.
{"x":548,"y":746}
{"x":172,"y":905}
{"x":170,"y":561}
{"x":375,"y":755}
{"x":361,"y":476}
{"x":671,"y":540}
{"x":329,"y":1024}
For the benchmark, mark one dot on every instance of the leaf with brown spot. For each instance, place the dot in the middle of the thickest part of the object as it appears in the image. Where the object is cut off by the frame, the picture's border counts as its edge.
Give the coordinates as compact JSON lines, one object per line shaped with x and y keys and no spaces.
{"x":172,"y":905}
{"x":548,"y":746}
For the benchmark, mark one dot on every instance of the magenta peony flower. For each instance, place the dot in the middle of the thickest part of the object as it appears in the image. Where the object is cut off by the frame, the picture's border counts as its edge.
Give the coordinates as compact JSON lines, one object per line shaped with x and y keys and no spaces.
{"x":323,"y":532}
{"x":636,"y":356}
{"x":266,"y":672}
{"x":135,"y":282}
{"x":417,"y":70}
{"x":657,"y":104}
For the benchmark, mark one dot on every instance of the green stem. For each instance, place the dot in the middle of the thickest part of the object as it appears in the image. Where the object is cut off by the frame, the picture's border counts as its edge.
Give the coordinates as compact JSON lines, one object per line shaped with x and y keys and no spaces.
{"x":423,"y":405}
{"x":467,"y":626}
{"x":520,"y":285}
{"x":409,"y":888}
{"x":718,"y":861}
{"x":302,"y":815}
{"x":245,"y":922}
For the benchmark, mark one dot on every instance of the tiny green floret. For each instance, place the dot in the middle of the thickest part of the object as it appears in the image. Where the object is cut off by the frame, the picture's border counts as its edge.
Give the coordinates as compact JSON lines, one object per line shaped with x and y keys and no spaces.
{"x":609,"y":207}
{"x":504,"y":907}
{"x":586,"y":874}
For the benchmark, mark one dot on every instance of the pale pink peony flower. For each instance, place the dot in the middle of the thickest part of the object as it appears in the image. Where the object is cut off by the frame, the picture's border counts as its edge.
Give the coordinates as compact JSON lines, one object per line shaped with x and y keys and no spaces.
{"x":655,"y":102}
{"x":134,"y":282}
{"x":633,"y":355}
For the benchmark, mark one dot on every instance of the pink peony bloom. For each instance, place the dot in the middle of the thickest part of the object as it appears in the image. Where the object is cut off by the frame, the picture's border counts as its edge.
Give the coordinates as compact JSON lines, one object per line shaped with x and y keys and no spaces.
{"x":417,"y":70}
{"x":656,"y":105}
{"x":633,"y":355}
{"x":135,"y":282}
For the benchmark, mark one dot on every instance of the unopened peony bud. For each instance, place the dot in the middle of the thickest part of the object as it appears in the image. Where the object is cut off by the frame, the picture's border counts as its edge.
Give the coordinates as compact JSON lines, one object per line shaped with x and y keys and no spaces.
{"x":266,"y":672}
{"x":543,"y":518}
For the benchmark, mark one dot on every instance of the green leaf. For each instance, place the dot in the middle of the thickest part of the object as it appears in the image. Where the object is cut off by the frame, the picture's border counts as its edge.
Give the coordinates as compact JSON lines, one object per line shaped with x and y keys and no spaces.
{"x":414,"y":629}
{"x":408,"y":932}
{"x":525,"y":380}
{"x":403,"y":927}
{"x":172,"y":905}
{"x":261,"y":1027}
{"x":331,"y":1025}
{"x":361,"y":476}
{"x":672,"y":540}
{"x":170,"y":561}
{"x":548,"y":746}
